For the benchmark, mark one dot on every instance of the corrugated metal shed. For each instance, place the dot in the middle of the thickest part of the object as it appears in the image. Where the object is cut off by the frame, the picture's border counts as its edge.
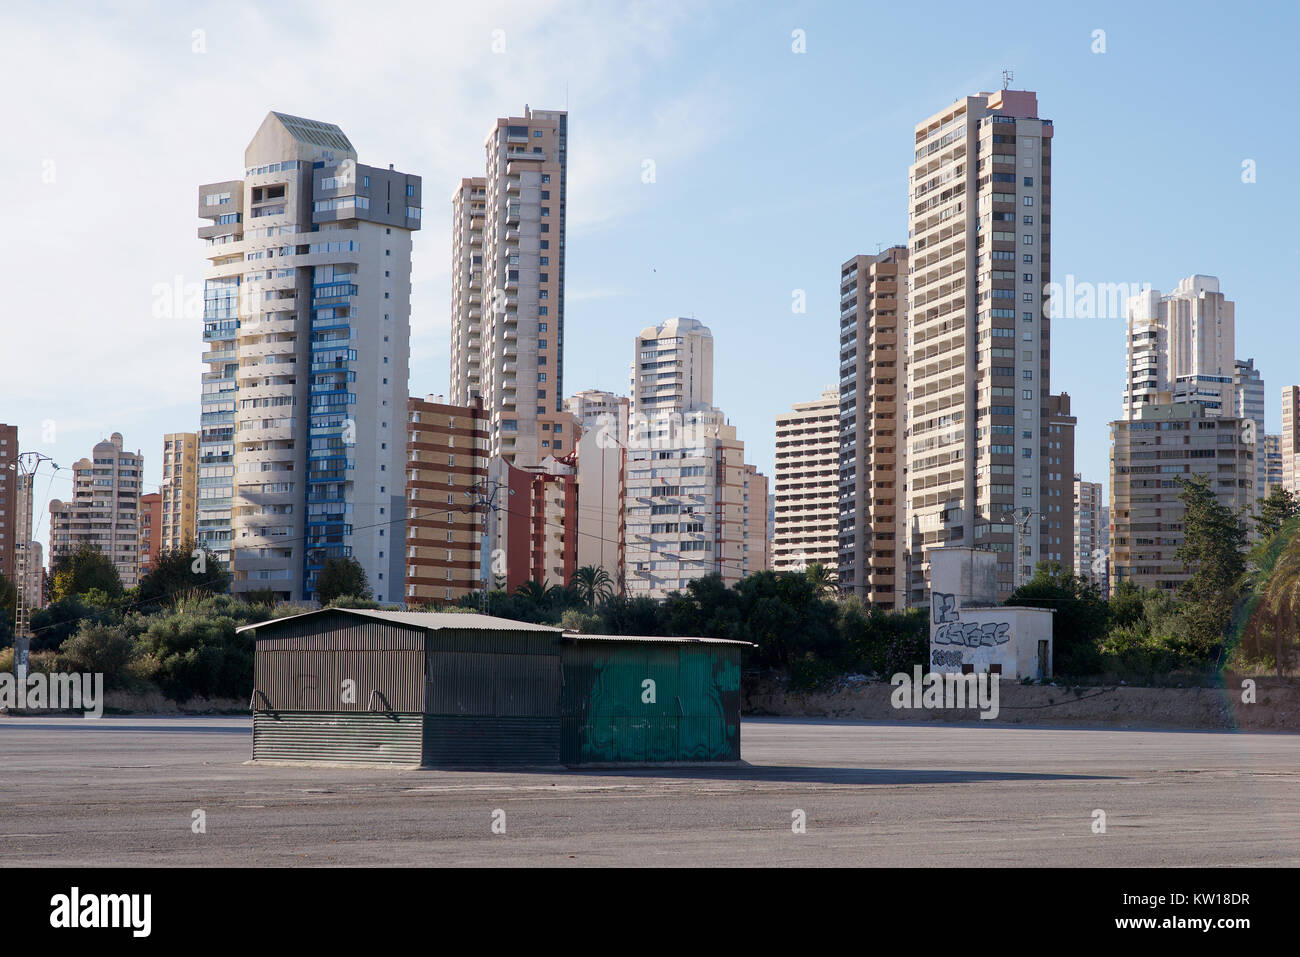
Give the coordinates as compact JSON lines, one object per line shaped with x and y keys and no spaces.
{"x":362,"y":685}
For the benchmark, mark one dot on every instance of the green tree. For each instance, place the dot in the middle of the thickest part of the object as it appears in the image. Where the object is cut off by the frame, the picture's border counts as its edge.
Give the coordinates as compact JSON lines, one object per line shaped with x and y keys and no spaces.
{"x":177,"y":572}
{"x":1275,"y":511}
{"x":59,"y":620}
{"x":592,"y":585}
{"x":341,"y":577}
{"x":8,"y":600}
{"x":1213,"y":552}
{"x":1082,"y":616}
{"x":85,"y":569}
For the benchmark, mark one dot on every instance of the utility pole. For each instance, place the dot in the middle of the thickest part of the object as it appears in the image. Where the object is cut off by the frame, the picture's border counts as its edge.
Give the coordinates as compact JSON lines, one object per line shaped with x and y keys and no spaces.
{"x":26,"y":465}
{"x":483,"y":497}
{"x":1022,"y":529}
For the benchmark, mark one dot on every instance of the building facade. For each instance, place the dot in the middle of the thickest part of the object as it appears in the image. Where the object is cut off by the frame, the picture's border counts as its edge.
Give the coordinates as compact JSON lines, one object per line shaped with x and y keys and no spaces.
{"x":179,"y":489}
{"x":806,"y":485}
{"x":150,"y":531}
{"x":447,"y":465}
{"x":1163,"y":443}
{"x":872,"y":543}
{"x":1273,"y":470}
{"x":1089,"y":558}
{"x":1182,"y":344}
{"x":1248,"y":404}
{"x":692,"y":504}
{"x":1289,"y":441}
{"x":508,"y":287}
{"x":978,"y":333}
{"x":598,"y":411}
{"x":105,"y":509}
{"x":307,"y":320}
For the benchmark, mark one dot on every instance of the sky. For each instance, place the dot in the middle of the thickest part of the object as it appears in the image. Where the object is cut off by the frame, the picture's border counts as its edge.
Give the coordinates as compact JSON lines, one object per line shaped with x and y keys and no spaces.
{"x":724,"y":160}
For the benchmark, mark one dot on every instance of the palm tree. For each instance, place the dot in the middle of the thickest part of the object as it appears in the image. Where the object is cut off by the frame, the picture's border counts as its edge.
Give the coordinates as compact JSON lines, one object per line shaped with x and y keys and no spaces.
{"x":823,"y":579}
{"x":592,"y":584}
{"x":1282,"y":595}
{"x":535,"y":591}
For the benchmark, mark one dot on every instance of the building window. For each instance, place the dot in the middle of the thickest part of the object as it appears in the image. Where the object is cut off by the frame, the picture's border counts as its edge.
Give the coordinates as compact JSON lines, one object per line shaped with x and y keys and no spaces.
{"x":1029,"y":201}
{"x":1027,"y":239}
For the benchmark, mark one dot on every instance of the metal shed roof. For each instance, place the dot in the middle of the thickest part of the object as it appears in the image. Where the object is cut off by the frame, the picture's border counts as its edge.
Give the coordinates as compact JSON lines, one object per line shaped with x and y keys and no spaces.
{"x":670,"y":639}
{"x":430,"y":621}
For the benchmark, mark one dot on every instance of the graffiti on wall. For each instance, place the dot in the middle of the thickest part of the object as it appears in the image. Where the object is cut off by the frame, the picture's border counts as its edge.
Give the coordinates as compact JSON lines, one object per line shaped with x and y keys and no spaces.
{"x":968,"y":634}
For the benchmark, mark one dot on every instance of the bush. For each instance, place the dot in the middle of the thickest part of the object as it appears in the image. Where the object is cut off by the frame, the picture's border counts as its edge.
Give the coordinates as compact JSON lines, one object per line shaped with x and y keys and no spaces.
{"x":100,"y":649}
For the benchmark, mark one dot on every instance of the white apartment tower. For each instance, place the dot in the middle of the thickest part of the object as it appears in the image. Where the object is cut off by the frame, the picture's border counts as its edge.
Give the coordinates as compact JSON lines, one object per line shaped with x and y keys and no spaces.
{"x":806,"y":485}
{"x":978,"y":334}
{"x":694,"y":507}
{"x":1181,"y":344}
{"x":1089,"y":558}
{"x":307,"y":315}
{"x":507,"y":317}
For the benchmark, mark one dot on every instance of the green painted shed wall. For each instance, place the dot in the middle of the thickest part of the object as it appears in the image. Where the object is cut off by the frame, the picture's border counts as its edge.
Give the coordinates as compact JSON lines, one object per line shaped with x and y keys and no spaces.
{"x":695,"y":714}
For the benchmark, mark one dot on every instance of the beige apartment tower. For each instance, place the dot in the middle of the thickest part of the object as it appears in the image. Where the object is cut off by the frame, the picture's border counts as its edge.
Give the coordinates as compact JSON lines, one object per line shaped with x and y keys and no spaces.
{"x":179,"y":490}
{"x":806,"y":485}
{"x":872,"y":477}
{"x":1163,"y":442}
{"x":508,"y":236}
{"x":447,"y":462}
{"x":979,"y":336}
{"x":1289,"y":441}
{"x":105,"y":509}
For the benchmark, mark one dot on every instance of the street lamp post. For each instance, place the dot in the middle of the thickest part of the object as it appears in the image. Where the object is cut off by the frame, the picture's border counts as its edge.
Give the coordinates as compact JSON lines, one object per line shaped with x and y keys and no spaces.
{"x":483,"y":498}
{"x":1022,"y":529}
{"x":26,"y":465}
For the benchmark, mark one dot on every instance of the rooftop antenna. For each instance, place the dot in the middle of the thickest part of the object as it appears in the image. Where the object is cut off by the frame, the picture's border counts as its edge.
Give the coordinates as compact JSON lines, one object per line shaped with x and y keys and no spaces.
{"x":1007,"y":77}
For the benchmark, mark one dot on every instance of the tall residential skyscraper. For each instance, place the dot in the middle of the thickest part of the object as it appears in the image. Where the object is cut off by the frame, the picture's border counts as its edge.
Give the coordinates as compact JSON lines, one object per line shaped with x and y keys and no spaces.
{"x":179,"y":489}
{"x":672,"y":371}
{"x":694,"y":506}
{"x":1248,"y":403}
{"x":978,"y":332}
{"x":1290,"y":438}
{"x":872,"y":478}
{"x":508,"y":287}
{"x":1089,"y":561}
{"x":105,"y":509}
{"x":806,"y":485}
{"x":446,"y":458}
{"x":307,"y":315}
{"x":1181,"y":344}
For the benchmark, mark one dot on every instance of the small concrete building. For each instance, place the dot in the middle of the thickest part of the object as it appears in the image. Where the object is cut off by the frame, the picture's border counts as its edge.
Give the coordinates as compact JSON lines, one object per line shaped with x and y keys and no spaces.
{"x":971,"y":632}
{"x":463,"y":690}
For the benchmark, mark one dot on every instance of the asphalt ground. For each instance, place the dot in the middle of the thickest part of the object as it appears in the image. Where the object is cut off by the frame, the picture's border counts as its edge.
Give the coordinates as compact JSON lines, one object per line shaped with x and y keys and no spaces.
{"x":123,"y":791}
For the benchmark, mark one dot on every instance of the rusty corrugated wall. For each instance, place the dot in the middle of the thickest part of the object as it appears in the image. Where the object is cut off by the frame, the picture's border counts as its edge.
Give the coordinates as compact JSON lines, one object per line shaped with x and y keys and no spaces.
{"x":340,"y":664}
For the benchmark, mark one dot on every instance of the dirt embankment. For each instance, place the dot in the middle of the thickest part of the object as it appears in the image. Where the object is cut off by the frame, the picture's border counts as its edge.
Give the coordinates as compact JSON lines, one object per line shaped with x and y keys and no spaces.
{"x":1276,"y":705}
